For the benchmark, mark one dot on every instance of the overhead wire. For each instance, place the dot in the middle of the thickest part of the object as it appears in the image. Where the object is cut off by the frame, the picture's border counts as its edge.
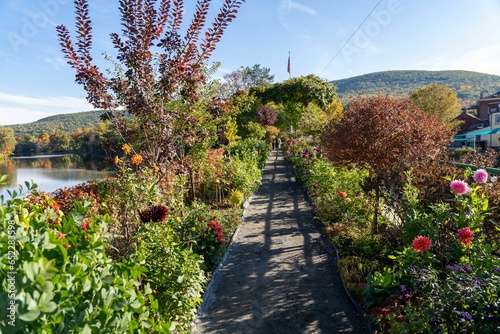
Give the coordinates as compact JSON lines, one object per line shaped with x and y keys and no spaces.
{"x":352,"y":35}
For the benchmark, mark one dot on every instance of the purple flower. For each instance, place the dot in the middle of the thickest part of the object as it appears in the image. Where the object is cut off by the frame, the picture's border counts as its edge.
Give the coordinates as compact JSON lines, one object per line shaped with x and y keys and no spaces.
{"x":459,"y":187}
{"x":464,"y":268}
{"x":465,"y":316}
{"x":480,"y":176}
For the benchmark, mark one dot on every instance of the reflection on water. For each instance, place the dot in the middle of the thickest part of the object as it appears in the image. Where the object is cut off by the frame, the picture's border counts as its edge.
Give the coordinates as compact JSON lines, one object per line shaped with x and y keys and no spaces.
{"x":51,"y":172}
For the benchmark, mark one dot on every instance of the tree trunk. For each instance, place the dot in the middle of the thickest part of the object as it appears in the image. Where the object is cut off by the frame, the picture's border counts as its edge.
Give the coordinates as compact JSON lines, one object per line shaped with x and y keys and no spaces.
{"x":376,"y":210}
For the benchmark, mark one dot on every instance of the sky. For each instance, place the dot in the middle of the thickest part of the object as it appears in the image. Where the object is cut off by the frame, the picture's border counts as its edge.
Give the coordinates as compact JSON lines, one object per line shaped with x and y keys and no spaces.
{"x":333,"y":39}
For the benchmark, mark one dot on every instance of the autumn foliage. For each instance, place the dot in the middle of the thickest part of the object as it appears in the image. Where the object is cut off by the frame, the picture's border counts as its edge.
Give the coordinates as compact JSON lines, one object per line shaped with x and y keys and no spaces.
{"x":159,"y":72}
{"x":386,"y":136}
{"x":266,"y":115}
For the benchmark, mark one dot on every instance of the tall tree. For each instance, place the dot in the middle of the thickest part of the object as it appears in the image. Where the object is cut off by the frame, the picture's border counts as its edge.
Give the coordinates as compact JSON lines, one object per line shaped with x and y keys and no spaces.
{"x":7,"y":141}
{"x":245,"y":78}
{"x":60,"y":142}
{"x":159,"y":72}
{"x":303,"y":90}
{"x":387,"y":137}
{"x":437,"y":100}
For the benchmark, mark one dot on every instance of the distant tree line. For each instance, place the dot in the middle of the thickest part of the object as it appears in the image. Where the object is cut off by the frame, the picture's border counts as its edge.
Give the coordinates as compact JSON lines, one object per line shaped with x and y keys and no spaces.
{"x":467,"y":85}
{"x":89,"y":143}
{"x":66,"y":122}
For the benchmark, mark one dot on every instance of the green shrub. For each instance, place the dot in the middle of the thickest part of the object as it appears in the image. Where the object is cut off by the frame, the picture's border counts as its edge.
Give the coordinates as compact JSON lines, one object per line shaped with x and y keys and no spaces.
{"x":243,"y":173}
{"x":174,"y":273}
{"x":193,"y":226}
{"x":56,"y":277}
{"x":252,"y":147}
{"x":354,"y":270}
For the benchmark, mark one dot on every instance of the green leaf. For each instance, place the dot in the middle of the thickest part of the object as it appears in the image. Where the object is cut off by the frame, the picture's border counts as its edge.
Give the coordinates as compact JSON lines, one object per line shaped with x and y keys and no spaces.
{"x":135,"y":304}
{"x":4,"y":179}
{"x":30,"y":315}
{"x":86,"y":329}
{"x":119,"y":304}
{"x":46,"y":241}
{"x":31,"y":270}
{"x":145,"y":324}
{"x":87,"y":285}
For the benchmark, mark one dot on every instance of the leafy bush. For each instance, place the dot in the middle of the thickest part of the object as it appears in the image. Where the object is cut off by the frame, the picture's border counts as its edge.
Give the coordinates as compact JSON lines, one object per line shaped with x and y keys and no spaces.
{"x":444,"y":271}
{"x":174,"y":273}
{"x":243,"y":173}
{"x":252,"y":147}
{"x":195,"y":227}
{"x":56,"y":277}
{"x":451,"y":272}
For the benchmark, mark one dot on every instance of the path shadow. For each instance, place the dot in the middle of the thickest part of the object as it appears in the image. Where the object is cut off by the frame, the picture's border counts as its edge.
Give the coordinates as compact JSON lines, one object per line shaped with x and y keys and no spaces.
{"x":280,"y":274}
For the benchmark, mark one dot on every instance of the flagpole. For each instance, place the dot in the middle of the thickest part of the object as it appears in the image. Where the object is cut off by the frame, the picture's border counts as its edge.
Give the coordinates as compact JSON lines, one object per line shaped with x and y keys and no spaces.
{"x":288,"y":67}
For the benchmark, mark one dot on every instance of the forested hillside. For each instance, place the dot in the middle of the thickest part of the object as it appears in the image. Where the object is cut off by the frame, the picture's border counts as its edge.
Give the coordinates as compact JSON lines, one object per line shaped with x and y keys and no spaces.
{"x":66,"y":122}
{"x":467,"y":84}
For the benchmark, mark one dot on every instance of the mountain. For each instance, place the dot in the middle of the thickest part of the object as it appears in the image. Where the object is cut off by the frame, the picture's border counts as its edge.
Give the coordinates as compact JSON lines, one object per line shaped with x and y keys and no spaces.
{"x":65,"y":122}
{"x":467,"y":84}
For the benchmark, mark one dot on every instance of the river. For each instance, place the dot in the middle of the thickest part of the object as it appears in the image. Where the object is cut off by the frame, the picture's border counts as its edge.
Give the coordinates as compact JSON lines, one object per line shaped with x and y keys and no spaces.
{"x":50,"y":172}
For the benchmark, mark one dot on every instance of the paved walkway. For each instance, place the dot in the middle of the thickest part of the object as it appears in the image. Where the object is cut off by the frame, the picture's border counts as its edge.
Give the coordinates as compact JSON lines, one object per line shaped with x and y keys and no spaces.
{"x":279,"y":275}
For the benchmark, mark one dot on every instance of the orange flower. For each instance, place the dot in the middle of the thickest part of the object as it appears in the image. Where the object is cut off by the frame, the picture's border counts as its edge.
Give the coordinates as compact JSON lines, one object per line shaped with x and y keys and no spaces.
{"x":136,"y":159}
{"x":342,"y":194}
{"x":116,"y":160}
{"x":155,"y":167}
{"x":126,"y":148}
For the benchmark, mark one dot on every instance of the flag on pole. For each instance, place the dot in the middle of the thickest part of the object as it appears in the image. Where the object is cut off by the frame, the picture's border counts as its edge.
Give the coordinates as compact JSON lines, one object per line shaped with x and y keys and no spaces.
{"x":288,"y":66}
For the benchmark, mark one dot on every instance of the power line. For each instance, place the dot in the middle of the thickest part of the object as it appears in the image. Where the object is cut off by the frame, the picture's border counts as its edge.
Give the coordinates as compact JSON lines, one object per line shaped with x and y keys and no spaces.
{"x":354,"y":33}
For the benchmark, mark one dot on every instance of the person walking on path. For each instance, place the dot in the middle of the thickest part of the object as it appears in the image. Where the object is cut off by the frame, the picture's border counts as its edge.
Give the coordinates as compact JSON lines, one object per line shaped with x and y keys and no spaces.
{"x":279,"y":274}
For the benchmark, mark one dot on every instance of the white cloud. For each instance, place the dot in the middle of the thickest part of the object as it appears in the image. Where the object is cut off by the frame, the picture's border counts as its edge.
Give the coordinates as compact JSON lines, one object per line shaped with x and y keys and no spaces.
{"x":481,"y":60}
{"x":303,"y":8}
{"x":484,"y":60}
{"x":285,"y":8}
{"x":17,"y":109}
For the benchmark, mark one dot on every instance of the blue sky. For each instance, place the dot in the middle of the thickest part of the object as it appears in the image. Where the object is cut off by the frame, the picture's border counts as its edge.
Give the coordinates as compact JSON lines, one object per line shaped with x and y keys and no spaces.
{"x":324,"y":37}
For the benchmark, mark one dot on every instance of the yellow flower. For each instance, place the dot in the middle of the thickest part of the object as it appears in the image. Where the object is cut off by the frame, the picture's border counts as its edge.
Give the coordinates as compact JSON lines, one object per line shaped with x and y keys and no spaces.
{"x":116,"y":160}
{"x":136,"y":159}
{"x":126,"y":148}
{"x":178,"y":219}
{"x":155,"y":167}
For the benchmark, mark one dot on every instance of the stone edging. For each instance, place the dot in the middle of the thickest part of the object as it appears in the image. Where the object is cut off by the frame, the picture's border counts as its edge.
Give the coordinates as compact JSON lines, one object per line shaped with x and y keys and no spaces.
{"x":365,"y":316}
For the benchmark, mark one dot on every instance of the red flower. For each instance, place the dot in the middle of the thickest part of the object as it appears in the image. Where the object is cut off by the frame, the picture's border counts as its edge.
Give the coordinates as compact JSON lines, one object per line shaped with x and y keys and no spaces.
{"x":342,"y":194}
{"x":421,"y":243}
{"x":157,"y":213}
{"x":466,"y":236}
{"x":145,"y":216}
{"x":315,"y":186}
{"x":218,"y":229}
{"x":85,"y":226}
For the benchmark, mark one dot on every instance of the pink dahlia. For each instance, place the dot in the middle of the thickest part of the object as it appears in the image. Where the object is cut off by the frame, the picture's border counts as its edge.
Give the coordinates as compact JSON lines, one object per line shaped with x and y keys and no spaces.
{"x":466,"y":236}
{"x":459,"y":187}
{"x":421,"y":243}
{"x":480,"y":176}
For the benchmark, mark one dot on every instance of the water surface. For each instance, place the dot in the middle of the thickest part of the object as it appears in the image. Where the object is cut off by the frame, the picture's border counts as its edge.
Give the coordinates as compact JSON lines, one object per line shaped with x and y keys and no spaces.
{"x":50,"y":172}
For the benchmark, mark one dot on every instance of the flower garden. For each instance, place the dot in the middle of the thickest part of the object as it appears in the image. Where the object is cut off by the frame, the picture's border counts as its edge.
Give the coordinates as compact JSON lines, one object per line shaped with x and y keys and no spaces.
{"x":120,"y":255}
{"x":418,"y":236}
{"x":430,"y":267}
